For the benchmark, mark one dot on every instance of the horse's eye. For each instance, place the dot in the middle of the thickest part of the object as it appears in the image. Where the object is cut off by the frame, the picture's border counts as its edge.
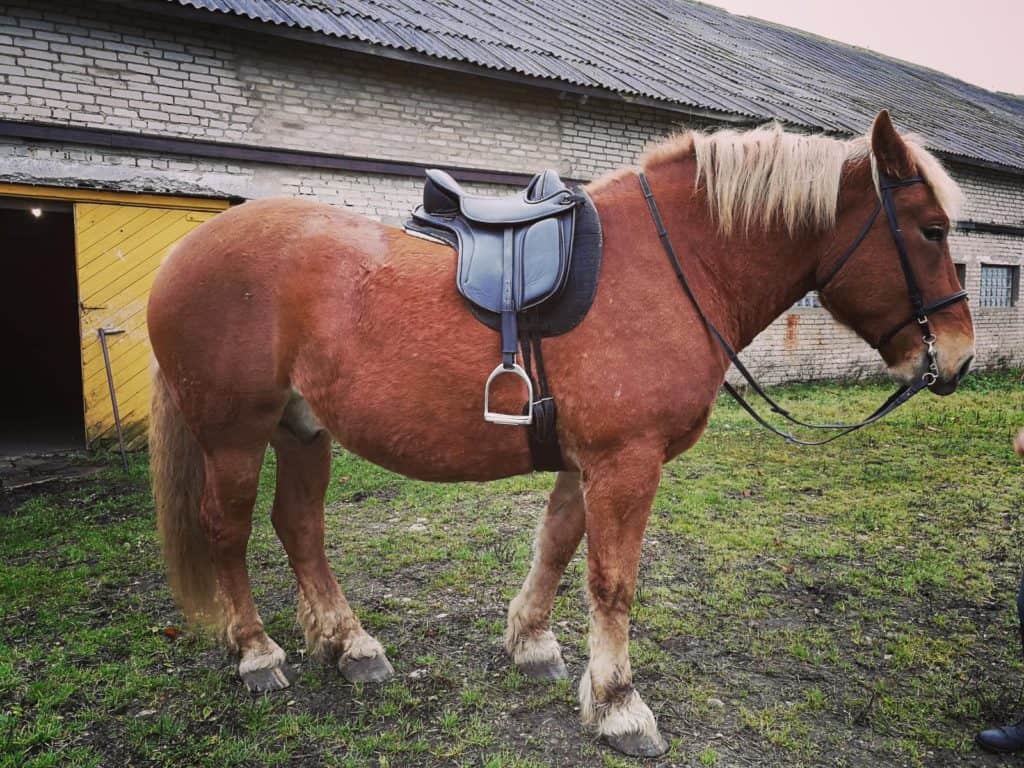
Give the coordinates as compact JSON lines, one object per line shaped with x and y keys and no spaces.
{"x":935,"y":234}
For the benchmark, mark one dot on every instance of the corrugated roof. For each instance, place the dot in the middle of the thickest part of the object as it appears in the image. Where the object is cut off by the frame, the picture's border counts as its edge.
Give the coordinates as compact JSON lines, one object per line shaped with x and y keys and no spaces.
{"x":678,"y":52}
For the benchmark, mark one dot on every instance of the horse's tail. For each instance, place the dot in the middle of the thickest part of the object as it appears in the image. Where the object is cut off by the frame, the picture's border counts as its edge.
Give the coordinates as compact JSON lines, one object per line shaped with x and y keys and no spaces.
{"x":176,"y":465}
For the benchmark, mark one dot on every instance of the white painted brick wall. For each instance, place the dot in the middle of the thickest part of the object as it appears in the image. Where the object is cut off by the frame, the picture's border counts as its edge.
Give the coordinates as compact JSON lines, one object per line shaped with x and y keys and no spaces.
{"x":87,"y":64}
{"x":82,"y":63}
{"x":384,"y":198}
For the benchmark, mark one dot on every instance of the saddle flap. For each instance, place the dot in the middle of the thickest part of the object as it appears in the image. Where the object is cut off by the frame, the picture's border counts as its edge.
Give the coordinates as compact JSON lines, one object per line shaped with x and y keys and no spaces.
{"x":540,"y":262}
{"x":480,"y":266}
{"x":543,"y":261}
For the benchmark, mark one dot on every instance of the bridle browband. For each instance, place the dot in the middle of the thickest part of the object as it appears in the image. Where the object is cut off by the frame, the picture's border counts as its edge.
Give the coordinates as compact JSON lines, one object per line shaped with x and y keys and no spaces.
{"x":920,"y":314}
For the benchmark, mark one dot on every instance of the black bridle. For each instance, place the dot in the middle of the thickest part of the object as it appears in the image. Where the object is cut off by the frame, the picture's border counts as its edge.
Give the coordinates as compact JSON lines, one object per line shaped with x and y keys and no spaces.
{"x":920,"y":314}
{"x":921,"y":310}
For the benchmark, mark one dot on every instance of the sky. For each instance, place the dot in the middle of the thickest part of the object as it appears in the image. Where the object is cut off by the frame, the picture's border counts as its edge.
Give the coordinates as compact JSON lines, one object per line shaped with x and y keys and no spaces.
{"x":980,"y":41}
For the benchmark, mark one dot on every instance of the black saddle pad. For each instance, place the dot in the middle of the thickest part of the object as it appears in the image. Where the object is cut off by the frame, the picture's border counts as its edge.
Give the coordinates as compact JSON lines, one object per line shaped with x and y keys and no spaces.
{"x":564,"y":311}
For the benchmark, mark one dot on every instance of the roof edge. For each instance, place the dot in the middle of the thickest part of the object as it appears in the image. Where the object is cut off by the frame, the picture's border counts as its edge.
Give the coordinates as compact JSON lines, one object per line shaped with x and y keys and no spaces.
{"x":174,"y":9}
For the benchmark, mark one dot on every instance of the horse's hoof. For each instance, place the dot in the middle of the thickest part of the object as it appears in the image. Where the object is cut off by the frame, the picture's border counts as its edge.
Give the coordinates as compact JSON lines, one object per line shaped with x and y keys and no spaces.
{"x":544,"y":670}
{"x":266,"y":680}
{"x":371,"y":669}
{"x":638,"y":744}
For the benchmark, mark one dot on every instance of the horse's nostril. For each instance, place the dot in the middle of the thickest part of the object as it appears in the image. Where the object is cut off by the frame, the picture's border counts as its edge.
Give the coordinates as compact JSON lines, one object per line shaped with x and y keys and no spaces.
{"x":965,"y":368}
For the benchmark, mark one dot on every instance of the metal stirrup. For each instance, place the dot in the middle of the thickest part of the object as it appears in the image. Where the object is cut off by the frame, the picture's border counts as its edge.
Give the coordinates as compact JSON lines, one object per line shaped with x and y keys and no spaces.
{"x":510,"y":419}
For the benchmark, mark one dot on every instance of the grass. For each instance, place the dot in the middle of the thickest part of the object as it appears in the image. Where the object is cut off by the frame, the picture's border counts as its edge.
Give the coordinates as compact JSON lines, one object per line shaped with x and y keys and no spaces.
{"x":846,"y":605}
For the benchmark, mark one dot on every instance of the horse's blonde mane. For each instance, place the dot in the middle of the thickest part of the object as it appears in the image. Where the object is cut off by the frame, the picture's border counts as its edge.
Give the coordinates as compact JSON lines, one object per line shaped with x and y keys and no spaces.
{"x":766,"y":175}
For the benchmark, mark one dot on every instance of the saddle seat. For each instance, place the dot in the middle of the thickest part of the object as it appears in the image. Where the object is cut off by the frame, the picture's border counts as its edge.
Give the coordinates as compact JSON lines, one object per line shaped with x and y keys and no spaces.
{"x":546,"y":195}
{"x":514,"y":254}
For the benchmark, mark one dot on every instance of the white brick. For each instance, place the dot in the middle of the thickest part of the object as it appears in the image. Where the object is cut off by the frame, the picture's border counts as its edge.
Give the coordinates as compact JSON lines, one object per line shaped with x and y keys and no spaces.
{"x":92,"y":64}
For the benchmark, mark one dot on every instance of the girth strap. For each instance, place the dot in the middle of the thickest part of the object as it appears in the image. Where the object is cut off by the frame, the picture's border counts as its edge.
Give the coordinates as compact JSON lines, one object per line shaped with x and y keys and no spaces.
{"x":542,"y":434}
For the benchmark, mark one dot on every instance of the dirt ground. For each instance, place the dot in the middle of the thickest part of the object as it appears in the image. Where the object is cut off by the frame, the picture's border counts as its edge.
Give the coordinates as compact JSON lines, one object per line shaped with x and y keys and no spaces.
{"x":845,"y":606}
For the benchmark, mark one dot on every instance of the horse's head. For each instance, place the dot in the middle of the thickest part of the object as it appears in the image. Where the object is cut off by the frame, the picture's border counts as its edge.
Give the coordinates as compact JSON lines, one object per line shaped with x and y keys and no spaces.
{"x":889,"y":274}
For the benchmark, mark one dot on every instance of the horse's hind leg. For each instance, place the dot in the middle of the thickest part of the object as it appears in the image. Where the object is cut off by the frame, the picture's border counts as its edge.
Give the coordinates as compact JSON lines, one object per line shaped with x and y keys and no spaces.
{"x":528,"y":638}
{"x":333,"y":633}
{"x":232,"y":476}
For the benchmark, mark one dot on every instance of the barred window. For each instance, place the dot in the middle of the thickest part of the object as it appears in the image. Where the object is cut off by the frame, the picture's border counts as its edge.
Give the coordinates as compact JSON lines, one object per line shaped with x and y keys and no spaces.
{"x":999,"y":285}
{"x":810,"y":300}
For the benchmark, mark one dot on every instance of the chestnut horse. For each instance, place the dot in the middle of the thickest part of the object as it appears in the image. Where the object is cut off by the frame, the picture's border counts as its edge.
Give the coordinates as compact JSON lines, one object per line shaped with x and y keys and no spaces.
{"x":290,"y":323}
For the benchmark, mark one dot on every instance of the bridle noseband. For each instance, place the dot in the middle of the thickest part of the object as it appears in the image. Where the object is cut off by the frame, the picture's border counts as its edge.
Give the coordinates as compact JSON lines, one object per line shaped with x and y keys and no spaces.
{"x":920,"y":314}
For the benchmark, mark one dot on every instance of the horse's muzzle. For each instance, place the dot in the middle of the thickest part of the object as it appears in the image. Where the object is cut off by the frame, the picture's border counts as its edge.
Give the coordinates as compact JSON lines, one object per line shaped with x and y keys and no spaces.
{"x":948,"y":386}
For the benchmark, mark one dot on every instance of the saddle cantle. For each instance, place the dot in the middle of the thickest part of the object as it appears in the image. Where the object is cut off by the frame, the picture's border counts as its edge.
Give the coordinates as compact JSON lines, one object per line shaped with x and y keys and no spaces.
{"x":527,"y":265}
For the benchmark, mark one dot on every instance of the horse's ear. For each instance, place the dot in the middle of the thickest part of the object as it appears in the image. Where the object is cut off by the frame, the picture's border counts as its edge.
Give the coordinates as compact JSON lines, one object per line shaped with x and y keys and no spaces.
{"x":890,"y":150}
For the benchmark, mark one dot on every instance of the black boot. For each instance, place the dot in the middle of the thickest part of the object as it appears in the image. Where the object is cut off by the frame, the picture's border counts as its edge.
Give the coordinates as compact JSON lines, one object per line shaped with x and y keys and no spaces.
{"x":1005,"y":738}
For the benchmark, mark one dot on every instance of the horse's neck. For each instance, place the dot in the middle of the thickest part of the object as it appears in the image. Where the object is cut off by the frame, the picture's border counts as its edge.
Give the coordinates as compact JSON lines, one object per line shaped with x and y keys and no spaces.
{"x":744,"y":282}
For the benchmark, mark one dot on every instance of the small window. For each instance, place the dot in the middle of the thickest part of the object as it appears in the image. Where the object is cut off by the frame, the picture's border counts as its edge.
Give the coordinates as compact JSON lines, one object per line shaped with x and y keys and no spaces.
{"x":999,"y":285}
{"x":810,"y":300}
{"x":961,"y":274}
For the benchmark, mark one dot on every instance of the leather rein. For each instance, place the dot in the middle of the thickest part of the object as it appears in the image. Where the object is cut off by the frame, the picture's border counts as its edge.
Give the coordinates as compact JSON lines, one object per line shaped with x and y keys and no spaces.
{"x":920,"y":314}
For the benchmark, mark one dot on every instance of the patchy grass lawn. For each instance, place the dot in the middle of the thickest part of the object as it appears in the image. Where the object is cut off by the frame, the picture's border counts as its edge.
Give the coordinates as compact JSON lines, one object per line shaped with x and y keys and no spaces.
{"x":846,"y":605}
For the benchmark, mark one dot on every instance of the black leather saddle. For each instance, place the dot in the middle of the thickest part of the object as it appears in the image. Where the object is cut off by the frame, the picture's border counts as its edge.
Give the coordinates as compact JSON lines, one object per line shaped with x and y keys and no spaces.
{"x":515,"y":258}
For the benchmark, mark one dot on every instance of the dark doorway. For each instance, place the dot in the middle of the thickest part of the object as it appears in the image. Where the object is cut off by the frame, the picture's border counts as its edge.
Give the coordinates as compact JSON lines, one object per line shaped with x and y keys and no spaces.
{"x":41,"y":408}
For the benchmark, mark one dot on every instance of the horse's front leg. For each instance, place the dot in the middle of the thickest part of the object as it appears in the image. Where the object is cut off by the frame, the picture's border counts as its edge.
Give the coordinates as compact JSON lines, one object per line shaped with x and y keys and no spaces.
{"x":529,"y":639}
{"x":618,"y":490}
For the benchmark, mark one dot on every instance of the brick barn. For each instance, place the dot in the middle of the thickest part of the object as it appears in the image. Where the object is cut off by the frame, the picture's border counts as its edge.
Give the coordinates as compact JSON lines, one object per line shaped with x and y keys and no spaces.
{"x":125,"y":124}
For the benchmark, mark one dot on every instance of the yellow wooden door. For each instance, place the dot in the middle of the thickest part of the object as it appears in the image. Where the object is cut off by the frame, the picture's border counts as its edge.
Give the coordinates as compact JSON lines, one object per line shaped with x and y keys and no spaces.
{"x":119,"y":248}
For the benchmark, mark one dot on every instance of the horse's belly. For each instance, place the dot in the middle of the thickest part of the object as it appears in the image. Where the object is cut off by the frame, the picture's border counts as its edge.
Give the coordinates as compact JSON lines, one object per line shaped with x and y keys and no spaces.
{"x":403,"y":428}
{"x":408,"y":395}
